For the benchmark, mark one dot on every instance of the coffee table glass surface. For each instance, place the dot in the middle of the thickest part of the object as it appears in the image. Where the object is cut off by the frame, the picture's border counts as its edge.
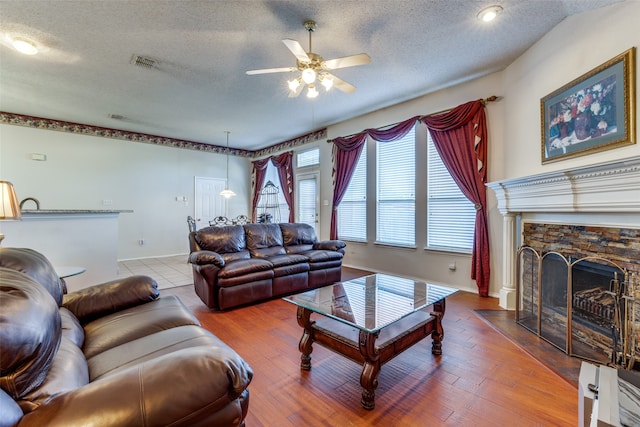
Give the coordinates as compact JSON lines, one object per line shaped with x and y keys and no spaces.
{"x":373,"y":302}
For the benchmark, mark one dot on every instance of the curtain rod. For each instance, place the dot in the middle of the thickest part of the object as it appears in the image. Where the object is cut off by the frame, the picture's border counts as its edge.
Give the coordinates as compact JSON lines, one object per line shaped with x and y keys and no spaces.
{"x":484,"y":102}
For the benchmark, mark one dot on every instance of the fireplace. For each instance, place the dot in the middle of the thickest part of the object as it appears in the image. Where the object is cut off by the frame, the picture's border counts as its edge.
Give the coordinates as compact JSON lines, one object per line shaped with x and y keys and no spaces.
{"x":571,"y":258}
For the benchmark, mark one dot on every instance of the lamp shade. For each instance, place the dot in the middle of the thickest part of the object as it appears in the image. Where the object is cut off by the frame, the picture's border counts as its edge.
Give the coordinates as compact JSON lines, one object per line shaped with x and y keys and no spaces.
{"x":9,"y":206}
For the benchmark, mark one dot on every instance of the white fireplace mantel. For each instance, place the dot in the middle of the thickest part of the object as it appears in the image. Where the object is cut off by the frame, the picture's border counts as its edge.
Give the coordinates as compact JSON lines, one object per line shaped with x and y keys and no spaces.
{"x":604,"y":188}
{"x":612,"y":187}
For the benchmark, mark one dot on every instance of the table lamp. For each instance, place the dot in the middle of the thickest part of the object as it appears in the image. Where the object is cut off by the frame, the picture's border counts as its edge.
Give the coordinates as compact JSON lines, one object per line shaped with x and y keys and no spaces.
{"x":9,"y":206}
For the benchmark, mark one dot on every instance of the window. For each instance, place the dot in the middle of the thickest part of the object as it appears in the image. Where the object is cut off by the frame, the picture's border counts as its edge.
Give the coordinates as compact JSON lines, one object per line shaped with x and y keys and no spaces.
{"x":450,"y":215}
{"x":396,"y":201}
{"x":272,"y":207}
{"x":352,"y":212}
{"x":308,"y":158}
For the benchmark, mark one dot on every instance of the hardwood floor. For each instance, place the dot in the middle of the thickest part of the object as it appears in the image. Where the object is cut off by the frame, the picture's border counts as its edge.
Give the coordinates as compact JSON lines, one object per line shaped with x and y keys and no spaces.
{"x":482,"y":378}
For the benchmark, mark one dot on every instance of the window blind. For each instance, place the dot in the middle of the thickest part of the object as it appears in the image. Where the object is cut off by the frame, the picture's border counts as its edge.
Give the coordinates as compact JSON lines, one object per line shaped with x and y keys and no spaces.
{"x":450,"y":215}
{"x":307,"y":201}
{"x":308,"y":158}
{"x":396,"y":185}
{"x":352,"y":211}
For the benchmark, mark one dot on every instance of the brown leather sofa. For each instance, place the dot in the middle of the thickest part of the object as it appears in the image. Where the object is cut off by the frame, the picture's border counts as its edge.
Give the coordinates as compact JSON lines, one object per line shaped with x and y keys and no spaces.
{"x":244,"y":264}
{"x":114,"y":354}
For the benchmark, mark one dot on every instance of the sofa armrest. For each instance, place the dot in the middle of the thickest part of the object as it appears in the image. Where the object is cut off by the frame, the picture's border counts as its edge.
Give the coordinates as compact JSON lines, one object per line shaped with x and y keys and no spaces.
{"x":96,"y":301}
{"x":330,"y":245}
{"x":206,"y":257}
{"x":178,"y":389}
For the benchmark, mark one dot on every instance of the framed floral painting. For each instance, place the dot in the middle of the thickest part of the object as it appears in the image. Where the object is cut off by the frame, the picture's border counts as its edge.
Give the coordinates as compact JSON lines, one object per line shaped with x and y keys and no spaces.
{"x":594,"y":112}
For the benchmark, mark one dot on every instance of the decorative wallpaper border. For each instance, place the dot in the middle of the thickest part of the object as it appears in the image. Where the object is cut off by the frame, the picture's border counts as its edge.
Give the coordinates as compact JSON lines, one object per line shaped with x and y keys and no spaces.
{"x":62,"y":126}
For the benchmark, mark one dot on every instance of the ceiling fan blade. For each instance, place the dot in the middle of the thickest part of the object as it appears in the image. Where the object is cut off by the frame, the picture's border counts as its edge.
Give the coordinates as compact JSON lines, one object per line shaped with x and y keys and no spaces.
{"x":341,"y":84}
{"x":272,"y":70}
{"x":346,"y":61}
{"x":297,"y":50}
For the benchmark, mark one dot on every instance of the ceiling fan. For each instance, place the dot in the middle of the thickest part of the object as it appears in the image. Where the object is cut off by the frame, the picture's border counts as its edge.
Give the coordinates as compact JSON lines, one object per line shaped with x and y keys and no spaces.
{"x":314,"y":68}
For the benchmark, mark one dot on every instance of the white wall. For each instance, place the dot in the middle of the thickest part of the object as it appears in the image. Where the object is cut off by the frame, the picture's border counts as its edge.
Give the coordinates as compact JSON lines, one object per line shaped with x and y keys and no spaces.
{"x":576,"y":46}
{"x":81,"y":171}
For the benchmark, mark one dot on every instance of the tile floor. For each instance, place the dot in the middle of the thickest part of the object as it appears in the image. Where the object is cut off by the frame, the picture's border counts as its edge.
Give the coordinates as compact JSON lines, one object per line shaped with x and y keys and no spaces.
{"x":169,"y":272}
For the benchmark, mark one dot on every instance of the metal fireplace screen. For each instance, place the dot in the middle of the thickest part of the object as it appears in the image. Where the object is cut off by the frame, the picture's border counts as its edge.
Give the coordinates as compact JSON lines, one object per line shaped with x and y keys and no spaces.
{"x":586,"y":307}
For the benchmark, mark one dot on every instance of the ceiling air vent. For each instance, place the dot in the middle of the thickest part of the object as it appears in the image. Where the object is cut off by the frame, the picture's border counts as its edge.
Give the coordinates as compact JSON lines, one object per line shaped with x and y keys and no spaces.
{"x":143,"y":61}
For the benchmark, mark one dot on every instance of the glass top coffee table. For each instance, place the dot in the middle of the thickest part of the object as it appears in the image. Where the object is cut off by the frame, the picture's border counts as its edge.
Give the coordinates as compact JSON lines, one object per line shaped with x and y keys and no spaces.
{"x":370,"y":320}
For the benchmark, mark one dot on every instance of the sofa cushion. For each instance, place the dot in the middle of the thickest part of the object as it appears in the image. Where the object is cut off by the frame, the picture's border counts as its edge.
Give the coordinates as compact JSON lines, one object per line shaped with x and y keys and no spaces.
{"x":136,"y":322}
{"x":264,"y":240}
{"x":290,"y":259}
{"x":34,"y":265}
{"x":298,"y":234}
{"x":148,"y":348}
{"x":235,"y":256}
{"x":68,"y":372}
{"x":30,"y":332}
{"x":244,"y":267}
{"x":227,"y":239}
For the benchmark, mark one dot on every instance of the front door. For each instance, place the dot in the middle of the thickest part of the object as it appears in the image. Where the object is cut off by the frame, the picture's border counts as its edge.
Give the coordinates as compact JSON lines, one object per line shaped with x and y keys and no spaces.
{"x":208,"y":201}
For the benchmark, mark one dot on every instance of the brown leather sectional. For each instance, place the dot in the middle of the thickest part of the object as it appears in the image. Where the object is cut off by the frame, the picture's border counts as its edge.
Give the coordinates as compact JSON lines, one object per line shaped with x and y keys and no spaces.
{"x":243,"y":264}
{"x":115,"y":354}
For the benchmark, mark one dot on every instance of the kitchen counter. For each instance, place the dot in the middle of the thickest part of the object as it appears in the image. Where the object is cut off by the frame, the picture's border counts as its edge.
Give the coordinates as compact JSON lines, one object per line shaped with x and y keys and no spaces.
{"x":82,"y":237}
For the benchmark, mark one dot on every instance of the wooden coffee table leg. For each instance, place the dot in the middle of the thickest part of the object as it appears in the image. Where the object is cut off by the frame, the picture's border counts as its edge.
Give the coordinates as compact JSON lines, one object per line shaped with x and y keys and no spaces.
{"x":370,"y":369}
{"x":306,"y":342}
{"x":438,"y":333}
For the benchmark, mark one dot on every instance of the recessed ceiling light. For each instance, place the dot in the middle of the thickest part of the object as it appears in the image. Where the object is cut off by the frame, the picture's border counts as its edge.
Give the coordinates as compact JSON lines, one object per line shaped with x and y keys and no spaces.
{"x":25,"y":46}
{"x":489,"y":13}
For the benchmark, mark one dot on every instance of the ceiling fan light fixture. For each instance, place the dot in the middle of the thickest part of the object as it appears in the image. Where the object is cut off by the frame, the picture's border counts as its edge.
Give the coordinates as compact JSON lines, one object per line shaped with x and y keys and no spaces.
{"x":327,"y":82}
{"x":24,"y":46}
{"x":294,"y":84}
{"x":308,"y":75}
{"x":312,"y":92}
{"x":488,"y":14}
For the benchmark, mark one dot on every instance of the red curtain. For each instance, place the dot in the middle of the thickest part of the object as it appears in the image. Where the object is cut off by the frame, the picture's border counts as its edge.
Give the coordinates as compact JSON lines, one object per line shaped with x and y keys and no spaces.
{"x":460,"y":136}
{"x":259,"y":172}
{"x":283,"y":164}
{"x":346,"y":152}
{"x":393,"y":132}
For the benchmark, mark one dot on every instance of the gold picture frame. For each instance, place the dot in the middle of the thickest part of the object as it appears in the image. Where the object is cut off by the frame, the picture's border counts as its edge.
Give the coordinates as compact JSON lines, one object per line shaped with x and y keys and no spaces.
{"x":594,"y":112}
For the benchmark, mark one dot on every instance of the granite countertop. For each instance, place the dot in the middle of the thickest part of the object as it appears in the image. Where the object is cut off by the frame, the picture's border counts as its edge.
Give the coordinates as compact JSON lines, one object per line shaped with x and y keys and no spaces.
{"x":74,"y":211}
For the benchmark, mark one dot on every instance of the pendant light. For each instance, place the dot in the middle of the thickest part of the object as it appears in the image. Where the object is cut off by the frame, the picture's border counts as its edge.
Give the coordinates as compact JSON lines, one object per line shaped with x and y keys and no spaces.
{"x":226,"y":193}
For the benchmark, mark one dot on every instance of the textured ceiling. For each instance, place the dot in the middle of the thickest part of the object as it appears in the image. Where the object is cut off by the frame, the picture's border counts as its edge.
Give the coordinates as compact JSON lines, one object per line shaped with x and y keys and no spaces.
{"x":199,"y":87}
